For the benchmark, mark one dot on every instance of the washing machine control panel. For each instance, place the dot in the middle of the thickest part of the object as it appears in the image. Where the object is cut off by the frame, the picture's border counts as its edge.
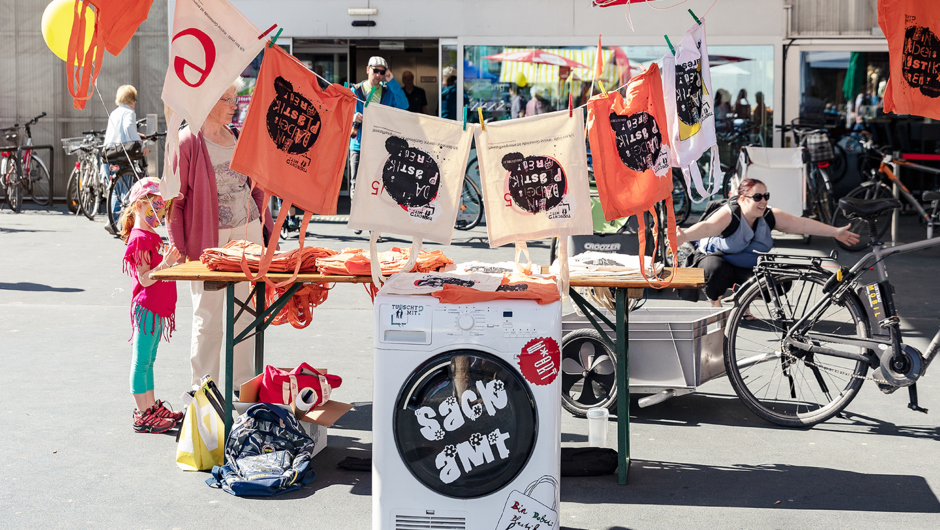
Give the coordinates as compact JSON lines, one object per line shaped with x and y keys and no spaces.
{"x":472,"y":322}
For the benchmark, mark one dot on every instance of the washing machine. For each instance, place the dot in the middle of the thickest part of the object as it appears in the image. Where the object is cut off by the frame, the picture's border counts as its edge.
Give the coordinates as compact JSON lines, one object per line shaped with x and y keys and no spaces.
{"x":466,"y":416}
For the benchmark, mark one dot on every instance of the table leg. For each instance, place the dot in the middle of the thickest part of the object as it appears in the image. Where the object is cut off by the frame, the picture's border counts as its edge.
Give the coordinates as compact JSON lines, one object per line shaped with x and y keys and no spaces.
{"x":259,"y":338}
{"x":623,"y":387}
{"x":229,"y":353}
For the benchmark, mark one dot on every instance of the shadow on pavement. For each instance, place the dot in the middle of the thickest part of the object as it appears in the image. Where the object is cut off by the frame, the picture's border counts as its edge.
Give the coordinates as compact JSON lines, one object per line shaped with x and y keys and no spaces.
{"x":761,"y":486}
{"x":37,"y":287}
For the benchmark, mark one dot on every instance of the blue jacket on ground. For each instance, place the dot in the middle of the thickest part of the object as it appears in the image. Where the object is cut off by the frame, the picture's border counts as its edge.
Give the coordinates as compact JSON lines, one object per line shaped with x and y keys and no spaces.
{"x":392,"y":95}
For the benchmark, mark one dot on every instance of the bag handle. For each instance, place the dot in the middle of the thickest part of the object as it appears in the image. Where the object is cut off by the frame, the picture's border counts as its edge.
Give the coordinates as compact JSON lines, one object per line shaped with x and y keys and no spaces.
{"x":78,"y":67}
{"x":692,"y":175}
{"x":268,"y":256}
{"x":547,"y":479}
{"x":656,"y":283}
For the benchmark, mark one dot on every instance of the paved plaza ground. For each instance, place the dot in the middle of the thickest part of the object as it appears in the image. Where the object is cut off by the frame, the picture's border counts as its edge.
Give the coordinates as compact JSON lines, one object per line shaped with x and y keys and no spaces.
{"x":70,"y":458}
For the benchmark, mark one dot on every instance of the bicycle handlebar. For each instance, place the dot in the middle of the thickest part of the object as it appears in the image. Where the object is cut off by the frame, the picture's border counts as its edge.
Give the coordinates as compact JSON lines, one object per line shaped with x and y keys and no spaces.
{"x":36,"y":119}
{"x":96,"y":133}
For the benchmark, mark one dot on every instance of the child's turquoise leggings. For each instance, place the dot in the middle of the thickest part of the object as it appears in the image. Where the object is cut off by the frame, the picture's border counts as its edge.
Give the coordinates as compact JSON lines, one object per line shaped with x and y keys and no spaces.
{"x":147,"y":330}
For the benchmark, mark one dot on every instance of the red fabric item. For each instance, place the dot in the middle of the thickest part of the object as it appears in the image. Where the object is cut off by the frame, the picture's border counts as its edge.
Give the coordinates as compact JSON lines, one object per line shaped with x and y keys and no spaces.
{"x":143,"y":247}
{"x":912,"y":28}
{"x":299,"y":309}
{"x":229,"y":257}
{"x":515,"y":287}
{"x":356,"y":262}
{"x":116,"y":21}
{"x":630,"y":147}
{"x":294,"y":141}
{"x":278,"y":386}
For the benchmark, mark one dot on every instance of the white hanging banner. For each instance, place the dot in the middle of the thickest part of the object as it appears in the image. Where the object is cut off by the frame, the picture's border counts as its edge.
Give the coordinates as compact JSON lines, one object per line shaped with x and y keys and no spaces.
{"x":690,"y":111}
{"x":411,"y":171}
{"x":212,"y":43}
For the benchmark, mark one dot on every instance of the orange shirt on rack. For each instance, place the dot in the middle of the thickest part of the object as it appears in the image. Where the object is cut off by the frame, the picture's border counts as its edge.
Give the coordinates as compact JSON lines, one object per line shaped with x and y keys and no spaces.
{"x":912,"y":28}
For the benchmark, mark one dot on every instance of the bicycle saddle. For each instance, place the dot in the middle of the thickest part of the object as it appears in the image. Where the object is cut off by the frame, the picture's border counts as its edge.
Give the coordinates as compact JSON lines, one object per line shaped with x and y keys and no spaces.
{"x":867,"y":208}
{"x":930,"y":196}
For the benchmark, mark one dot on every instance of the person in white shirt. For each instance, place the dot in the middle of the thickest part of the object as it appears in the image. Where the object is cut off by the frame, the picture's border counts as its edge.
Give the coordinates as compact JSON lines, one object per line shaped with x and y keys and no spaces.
{"x":122,"y":123}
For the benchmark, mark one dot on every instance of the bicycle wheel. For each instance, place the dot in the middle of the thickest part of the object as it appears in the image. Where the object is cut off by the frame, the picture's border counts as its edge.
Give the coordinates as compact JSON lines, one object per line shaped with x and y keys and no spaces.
{"x":471,"y":199}
{"x":88,"y":195}
{"x":867,"y":191}
{"x":824,"y":203}
{"x":71,"y":191}
{"x":838,"y":165}
{"x":791,"y":387}
{"x":588,"y":373}
{"x":680,"y":197}
{"x":118,"y":192}
{"x":12,"y":187}
{"x":39,"y":184}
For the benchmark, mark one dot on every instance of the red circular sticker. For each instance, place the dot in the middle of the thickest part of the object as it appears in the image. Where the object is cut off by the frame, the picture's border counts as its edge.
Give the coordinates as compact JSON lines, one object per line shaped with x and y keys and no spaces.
{"x":540,"y":360}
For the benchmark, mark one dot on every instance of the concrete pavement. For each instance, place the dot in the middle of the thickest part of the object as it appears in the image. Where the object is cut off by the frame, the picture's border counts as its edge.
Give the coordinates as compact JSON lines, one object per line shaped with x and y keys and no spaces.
{"x":70,"y":458}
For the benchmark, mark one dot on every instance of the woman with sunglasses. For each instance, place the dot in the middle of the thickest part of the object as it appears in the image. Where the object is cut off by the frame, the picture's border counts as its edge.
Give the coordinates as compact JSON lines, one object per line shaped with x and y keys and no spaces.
{"x":729,"y":238}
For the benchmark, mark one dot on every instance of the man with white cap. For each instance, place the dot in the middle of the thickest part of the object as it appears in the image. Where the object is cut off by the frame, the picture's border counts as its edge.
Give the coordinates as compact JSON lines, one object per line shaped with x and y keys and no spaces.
{"x":387,"y":92}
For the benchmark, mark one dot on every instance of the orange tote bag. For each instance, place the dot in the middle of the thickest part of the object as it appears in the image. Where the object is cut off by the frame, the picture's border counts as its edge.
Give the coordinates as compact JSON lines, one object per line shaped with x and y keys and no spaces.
{"x":912,"y":28}
{"x":294,"y":141}
{"x":631,"y":151}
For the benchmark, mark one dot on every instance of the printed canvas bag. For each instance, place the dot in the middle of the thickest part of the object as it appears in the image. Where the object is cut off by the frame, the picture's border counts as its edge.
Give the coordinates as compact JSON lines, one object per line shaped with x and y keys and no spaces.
{"x":912,"y":28}
{"x":212,"y":43}
{"x":293,"y":143}
{"x":535,"y":181}
{"x":690,"y":111}
{"x":201,"y":436}
{"x":411,"y":171}
{"x":631,"y":152}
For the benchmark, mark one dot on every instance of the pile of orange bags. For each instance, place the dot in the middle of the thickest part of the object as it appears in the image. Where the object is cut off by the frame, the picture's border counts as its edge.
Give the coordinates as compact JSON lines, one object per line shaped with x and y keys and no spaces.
{"x":229,"y":257}
{"x":355,"y":262}
{"x":512,"y":287}
{"x":299,"y":309}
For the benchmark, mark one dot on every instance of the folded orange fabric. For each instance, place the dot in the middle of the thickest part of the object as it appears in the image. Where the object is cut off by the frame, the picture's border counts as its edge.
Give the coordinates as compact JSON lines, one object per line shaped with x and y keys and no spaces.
{"x":356,"y":262}
{"x":228,"y":258}
{"x":514,"y":287}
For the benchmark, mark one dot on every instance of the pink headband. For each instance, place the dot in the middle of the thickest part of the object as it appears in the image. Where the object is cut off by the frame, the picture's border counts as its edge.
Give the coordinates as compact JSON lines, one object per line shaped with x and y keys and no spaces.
{"x":142,"y":188}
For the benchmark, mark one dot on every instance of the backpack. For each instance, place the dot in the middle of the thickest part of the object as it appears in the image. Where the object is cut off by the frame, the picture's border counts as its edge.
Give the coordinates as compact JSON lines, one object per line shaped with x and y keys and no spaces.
{"x":267,"y":453}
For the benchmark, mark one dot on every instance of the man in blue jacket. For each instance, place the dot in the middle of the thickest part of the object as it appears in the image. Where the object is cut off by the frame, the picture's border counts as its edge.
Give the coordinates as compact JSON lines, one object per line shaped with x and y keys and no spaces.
{"x":387,"y":92}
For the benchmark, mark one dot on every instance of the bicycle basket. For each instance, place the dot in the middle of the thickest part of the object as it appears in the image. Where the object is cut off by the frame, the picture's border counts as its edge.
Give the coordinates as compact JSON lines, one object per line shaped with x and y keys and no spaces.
{"x":72,"y":145}
{"x":11,"y":138}
{"x":818,"y":147}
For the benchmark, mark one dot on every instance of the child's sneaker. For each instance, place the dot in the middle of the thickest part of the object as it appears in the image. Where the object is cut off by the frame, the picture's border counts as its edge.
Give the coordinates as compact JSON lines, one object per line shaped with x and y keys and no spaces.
{"x":150,"y":422}
{"x":162,"y":411}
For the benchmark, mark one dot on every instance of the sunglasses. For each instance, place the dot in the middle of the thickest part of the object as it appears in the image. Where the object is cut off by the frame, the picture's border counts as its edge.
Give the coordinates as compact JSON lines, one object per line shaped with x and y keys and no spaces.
{"x":759,"y":196}
{"x":380,"y":71}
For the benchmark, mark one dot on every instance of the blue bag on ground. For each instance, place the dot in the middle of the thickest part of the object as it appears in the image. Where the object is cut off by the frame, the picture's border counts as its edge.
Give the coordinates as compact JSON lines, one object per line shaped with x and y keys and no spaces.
{"x":267,"y":453}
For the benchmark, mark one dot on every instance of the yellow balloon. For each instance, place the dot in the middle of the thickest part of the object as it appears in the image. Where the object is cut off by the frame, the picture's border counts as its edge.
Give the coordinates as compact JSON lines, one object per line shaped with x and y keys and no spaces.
{"x":521,"y":80}
{"x":57,"y":27}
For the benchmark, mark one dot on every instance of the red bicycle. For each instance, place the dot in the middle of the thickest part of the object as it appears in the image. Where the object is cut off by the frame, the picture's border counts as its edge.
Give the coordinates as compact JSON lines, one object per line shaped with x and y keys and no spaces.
{"x":23,"y":174}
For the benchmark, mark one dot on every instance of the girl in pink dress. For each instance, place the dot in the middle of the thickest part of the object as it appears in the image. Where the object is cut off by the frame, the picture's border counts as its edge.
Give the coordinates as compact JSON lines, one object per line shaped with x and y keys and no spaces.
{"x":153,"y":305}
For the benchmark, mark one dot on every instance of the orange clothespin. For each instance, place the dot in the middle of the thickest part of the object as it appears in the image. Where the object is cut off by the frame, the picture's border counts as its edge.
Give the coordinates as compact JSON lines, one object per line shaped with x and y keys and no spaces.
{"x":570,"y":105}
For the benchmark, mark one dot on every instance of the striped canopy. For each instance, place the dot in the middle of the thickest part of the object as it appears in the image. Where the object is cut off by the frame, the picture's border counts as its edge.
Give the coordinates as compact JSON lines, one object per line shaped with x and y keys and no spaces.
{"x":548,"y":73}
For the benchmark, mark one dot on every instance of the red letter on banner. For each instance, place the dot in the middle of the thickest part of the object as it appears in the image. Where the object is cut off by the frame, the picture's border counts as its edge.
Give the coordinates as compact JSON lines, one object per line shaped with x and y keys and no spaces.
{"x":179,"y":63}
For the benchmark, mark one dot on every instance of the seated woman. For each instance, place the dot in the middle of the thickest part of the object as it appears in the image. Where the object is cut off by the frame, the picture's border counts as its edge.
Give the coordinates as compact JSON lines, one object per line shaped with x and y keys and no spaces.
{"x":730,"y":237}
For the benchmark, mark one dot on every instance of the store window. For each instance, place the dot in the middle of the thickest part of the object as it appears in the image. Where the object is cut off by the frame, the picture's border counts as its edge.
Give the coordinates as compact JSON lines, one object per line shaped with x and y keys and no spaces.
{"x":742,"y":78}
{"x":842,"y":89}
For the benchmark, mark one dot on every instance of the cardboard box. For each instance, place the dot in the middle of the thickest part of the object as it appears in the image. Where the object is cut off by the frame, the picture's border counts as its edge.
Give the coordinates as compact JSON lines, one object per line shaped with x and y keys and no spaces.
{"x":315,"y":423}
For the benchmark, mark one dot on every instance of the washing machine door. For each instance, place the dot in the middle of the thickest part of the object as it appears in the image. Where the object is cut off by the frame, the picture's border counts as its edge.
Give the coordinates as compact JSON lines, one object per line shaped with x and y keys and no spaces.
{"x":465,"y":423}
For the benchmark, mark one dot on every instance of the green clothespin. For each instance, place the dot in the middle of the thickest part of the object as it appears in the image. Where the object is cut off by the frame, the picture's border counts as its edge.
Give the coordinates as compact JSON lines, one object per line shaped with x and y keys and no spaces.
{"x":673,"y":50}
{"x":465,"y":118}
{"x":697,"y":21}
{"x":369,"y":99}
{"x":274,"y":38}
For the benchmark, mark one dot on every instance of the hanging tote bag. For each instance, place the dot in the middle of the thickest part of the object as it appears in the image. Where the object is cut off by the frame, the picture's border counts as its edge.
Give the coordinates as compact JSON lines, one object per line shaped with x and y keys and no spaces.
{"x":116,"y":21}
{"x":212,"y":43}
{"x":411,"y":170}
{"x":535,"y":181}
{"x":200,"y":440}
{"x":912,"y":28}
{"x":631,"y":152}
{"x":293,"y":143}
{"x":690,"y":112}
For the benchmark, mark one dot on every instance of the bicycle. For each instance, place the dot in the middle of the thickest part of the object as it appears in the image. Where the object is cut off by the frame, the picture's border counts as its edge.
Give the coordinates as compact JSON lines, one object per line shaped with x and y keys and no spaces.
{"x":129,"y":166}
{"x":820,"y":201}
{"x":878,"y":186}
{"x":23,"y":174}
{"x":801,"y":339}
{"x":84,"y":147}
{"x":471,"y":198}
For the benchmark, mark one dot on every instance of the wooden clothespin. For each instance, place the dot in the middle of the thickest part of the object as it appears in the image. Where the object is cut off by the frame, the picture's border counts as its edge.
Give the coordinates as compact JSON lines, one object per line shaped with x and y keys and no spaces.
{"x":369,"y":99}
{"x":480,"y":113}
{"x":465,"y":118}
{"x":570,"y":105}
{"x":269,"y":30}
{"x":673,"y":50}
{"x":276,"y":35}
{"x":697,"y":21}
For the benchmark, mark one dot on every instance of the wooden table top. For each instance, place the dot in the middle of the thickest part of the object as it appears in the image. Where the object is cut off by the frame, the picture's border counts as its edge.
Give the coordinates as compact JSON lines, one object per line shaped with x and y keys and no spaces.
{"x":197,"y":271}
{"x":686,"y":278}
